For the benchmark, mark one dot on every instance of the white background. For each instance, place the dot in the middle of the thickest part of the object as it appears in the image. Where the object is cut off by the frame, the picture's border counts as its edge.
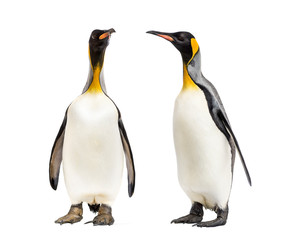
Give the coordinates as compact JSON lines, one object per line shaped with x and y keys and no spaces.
{"x":246,"y":53}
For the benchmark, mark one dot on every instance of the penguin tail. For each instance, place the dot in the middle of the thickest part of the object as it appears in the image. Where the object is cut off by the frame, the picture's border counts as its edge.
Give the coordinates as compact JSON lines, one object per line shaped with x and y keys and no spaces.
{"x":94,"y":207}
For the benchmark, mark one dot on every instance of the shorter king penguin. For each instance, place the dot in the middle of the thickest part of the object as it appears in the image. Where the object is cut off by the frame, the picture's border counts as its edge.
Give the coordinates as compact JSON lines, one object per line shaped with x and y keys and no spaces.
{"x":91,"y":142}
{"x":204,"y":141}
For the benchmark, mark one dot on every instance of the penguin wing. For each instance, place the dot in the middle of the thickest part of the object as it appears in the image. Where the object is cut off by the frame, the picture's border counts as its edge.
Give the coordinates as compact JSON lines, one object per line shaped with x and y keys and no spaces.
{"x":220,"y":118}
{"x":56,"y":155}
{"x":229,"y":129}
{"x":217,"y":111}
{"x":128,"y":157}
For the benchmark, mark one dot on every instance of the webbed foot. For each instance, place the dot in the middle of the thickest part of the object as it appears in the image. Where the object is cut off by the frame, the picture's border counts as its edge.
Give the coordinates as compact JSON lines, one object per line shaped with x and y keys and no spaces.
{"x":104,"y":216}
{"x":195,"y":215}
{"x":190,"y":218}
{"x":73,"y":216}
{"x":221,"y":219}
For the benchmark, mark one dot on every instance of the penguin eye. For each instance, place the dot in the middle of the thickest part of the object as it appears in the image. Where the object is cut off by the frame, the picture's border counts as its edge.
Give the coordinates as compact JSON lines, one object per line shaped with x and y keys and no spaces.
{"x":180,"y":38}
{"x":94,"y":36}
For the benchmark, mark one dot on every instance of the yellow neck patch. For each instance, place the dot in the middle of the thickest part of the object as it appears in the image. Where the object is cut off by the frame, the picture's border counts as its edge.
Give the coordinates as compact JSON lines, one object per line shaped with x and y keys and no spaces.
{"x":187,"y":81}
{"x":95,"y":86}
{"x":194,"y":46}
{"x":90,"y":58}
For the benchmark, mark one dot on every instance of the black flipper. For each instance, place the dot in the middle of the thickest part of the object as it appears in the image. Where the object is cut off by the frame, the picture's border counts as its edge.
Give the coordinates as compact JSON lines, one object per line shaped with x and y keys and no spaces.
{"x":216,"y":107}
{"x":128,"y":157}
{"x":229,"y":129}
{"x":56,"y":155}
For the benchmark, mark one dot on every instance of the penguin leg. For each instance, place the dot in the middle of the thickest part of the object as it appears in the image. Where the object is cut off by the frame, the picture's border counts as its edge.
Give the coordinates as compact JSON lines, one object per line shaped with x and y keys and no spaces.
{"x":94,"y":207}
{"x":104,"y":216}
{"x":195,"y":215}
{"x":74,"y":215}
{"x":221,"y":219}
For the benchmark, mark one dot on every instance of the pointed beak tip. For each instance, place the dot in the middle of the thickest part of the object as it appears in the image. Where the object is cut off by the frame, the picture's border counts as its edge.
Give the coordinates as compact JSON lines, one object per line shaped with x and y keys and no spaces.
{"x":151,"y":32}
{"x":112,"y":30}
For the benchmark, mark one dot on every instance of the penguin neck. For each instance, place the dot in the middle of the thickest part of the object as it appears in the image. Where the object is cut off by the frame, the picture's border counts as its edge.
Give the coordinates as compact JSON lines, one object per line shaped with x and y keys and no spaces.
{"x":192,"y":68}
{"x":95,"y":85}
{"x":188,"y":83}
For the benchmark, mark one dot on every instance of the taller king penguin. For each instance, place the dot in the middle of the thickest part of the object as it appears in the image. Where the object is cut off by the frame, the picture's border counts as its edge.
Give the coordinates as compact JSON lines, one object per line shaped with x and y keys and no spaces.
{"x":90,"y":142}
{"x":204,"y":141}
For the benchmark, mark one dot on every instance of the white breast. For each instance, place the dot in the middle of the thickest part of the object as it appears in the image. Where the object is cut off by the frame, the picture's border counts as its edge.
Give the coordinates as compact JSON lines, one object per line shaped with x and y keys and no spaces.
{"x":92,"y":151}
{"x":203,"y":153}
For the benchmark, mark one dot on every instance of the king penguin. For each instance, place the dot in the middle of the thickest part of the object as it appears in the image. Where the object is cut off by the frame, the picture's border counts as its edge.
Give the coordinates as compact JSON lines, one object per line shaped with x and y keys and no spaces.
{"x":204,"y":142}
{"x":91,"y":142}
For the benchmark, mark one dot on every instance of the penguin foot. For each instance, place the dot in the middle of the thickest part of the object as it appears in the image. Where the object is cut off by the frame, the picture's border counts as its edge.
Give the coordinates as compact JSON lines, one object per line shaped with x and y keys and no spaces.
{"x":221,"y":219}
{"x":190,"y":218}
{"x":73,"y":216}
{"x":214,"y":223}
{"x":195,"y":215}
{"x":104,"y":216}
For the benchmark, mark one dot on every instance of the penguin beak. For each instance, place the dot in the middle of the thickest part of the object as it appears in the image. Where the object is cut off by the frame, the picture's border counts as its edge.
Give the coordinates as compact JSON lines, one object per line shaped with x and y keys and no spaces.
{"x":107,"y":34}
{"x":164,"y":35}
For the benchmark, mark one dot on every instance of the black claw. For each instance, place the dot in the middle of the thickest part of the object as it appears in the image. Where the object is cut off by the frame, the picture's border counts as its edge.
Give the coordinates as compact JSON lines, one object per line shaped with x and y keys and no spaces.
{"x":88,"y":222}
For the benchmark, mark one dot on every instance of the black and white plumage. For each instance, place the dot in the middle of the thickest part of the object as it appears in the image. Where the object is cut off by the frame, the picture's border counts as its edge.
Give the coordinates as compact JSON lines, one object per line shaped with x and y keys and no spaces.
{"x":92,"y":142}
{"x":204,"y":141}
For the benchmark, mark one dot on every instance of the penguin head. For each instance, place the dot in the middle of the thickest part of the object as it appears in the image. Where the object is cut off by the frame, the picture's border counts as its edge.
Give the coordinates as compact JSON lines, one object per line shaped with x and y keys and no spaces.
{"x":98,"y":42}
{"x":183,"y":41}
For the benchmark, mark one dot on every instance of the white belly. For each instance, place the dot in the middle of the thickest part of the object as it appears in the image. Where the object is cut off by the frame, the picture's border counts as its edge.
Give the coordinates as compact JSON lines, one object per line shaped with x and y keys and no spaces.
{"x":203,"y":153}
{"x":92,"y":150}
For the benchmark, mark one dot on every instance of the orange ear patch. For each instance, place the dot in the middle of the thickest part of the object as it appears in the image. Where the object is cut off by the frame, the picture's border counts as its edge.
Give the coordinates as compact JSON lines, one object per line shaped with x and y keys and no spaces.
{"x":195,"y":47}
